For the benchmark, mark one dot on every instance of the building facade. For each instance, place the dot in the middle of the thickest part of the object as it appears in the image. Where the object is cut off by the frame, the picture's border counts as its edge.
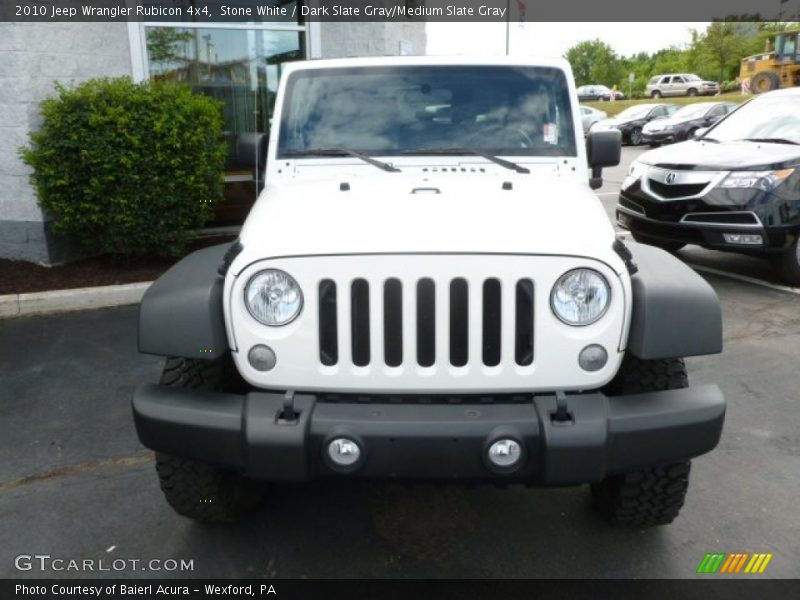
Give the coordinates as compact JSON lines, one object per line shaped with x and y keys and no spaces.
{"x":237,"y":63}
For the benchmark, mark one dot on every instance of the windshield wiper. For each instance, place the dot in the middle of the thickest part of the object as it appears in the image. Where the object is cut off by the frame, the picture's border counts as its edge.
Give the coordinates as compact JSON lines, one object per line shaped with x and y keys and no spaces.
{"x":461,"y":151}
{"x":343,"y":152}
{"x":772,"y":141}
{"x":706,"y":139}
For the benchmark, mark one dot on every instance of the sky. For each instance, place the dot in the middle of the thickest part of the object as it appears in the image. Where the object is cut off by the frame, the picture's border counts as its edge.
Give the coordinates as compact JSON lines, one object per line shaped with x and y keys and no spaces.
{"x":553,"y":39}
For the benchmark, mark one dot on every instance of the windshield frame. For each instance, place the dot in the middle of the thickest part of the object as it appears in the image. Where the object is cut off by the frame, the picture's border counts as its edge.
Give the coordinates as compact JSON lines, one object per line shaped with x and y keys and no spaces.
{"x":640,"y":115}
{"x":562,"y":98}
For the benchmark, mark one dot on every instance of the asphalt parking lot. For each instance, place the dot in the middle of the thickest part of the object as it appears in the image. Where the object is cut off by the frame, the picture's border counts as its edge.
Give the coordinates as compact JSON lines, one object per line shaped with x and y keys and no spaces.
{"x":75,"y":482}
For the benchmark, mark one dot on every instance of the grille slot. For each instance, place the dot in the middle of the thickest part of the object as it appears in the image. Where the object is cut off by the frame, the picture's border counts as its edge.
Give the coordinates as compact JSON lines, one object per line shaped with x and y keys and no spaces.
{"x":491,"y":322}
{"x":426,"y":322}
{"x":723,"y":218}
{"x":459,"y":322}
{"x":523,"y":333}
{"x":393,"y":322}
{"x":328,"y":330}
{"x":359,"y":319}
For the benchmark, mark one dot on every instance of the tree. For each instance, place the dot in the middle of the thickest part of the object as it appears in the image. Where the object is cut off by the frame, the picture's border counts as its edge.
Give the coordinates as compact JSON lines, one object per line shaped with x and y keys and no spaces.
{"x":594,"y":61}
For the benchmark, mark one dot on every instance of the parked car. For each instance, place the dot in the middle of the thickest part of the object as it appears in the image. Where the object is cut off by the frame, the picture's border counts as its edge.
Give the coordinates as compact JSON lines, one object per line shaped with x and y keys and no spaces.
{"x":735,"y":187}
{"x":590,"y":116}
{"x":680,"y":84}
{"x":632,"y":120}
{"x":684,"y":122}
{"x":593,"y":93}
{"x":353,"y":331}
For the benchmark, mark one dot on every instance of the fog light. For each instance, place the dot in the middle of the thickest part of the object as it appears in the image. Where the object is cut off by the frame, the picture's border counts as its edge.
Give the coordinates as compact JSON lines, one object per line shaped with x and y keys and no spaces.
{"x":743,"y":239}
{"x":261,"y":358}
{"x":343,"y":452}
{"x":505,"y":453}
{"x":624,"y":220}
{"x":593,"y":358}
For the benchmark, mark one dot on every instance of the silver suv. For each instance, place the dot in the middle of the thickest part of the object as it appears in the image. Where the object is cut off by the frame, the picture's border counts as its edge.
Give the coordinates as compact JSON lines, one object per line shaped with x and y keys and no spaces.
{"x":680,"y":84}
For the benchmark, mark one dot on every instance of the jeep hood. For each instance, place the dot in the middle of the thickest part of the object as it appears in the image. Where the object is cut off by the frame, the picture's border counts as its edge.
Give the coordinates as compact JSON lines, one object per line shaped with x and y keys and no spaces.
{"x":442,"y":213}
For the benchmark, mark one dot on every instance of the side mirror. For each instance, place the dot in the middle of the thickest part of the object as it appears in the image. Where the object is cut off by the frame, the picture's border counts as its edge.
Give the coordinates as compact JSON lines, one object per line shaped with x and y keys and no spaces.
{"x":700,"y":132}
{"x":603,"y":149}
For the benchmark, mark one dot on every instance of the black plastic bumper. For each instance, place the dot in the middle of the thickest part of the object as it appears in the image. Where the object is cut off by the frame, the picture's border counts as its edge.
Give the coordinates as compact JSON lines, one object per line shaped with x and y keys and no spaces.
{"x":431,"y":441}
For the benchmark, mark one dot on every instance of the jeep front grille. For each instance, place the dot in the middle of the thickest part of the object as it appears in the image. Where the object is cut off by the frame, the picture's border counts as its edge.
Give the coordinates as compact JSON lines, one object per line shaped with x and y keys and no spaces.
{"x":352,"y":303}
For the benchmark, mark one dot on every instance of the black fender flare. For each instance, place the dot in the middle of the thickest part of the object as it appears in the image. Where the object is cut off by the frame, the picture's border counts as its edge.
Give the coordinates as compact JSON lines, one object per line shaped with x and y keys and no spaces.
{"x":181,"y":314}
{"x":675,"y":312}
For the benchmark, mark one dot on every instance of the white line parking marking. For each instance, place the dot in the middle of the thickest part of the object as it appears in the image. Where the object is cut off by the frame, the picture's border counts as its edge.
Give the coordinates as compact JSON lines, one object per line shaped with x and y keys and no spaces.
{"x":746,"y":279}
{"x":606,"y":193}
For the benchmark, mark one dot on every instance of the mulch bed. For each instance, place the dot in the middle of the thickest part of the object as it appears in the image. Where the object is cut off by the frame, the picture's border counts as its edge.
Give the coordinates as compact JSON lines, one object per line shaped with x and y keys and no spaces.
{"x":17,"y":277}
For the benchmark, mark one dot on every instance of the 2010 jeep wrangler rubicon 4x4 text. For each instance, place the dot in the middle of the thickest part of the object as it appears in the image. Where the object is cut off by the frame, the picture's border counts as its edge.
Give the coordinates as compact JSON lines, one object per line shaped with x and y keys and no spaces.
{"x":427,"y":288}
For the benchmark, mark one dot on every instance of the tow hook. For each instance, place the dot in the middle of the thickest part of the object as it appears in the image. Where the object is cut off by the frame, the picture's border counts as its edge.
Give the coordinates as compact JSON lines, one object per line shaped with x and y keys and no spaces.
{"x":288,"y":416}
{"x":561,"y":416}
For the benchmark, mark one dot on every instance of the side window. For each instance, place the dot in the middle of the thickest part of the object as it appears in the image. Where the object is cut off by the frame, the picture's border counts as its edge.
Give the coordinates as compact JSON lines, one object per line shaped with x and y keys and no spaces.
{"x":666,"y":79}
{"x":658,"y":111}
{"x":717,"y":112}
{"x":677,"y":79}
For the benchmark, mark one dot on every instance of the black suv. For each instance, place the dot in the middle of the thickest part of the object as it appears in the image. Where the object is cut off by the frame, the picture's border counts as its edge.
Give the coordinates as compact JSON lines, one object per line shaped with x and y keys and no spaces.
{"x":735,"y":187}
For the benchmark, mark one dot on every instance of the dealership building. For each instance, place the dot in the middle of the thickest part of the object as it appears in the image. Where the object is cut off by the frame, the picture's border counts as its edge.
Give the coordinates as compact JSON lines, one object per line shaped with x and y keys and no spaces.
{"x":237,"y":63}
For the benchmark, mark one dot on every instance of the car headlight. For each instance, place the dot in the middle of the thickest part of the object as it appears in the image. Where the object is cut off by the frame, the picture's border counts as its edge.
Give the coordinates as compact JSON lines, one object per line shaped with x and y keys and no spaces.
{"x":635,"y":172}
{"x":273,"y":297}
{"x":763,"y":180}
{"x":580,"y":297}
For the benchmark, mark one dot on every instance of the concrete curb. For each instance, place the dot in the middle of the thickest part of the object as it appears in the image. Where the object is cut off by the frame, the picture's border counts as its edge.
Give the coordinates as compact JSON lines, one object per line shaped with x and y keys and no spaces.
{"x":42,"y":303}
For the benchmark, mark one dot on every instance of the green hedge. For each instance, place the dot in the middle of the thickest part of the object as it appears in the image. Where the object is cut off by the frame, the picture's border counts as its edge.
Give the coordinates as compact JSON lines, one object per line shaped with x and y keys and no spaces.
{"x":128,"y":168}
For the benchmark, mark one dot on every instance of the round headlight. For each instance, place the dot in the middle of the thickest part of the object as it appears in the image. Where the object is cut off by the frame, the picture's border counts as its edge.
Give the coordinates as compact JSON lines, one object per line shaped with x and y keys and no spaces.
{"x":580,"y":297}
{"x":273,"y":297}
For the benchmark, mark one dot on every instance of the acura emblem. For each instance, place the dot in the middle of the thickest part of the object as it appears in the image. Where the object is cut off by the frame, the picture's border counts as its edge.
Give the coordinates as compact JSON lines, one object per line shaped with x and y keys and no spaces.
{"x":671,"y":177}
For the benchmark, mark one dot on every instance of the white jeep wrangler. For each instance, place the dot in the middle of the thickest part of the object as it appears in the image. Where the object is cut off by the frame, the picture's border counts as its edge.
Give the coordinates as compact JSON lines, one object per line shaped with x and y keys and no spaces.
{"x":427,"y":288}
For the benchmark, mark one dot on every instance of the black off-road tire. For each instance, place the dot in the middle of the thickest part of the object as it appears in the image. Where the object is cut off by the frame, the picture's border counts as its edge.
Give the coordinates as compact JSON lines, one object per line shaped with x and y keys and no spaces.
{"x":654,"y":495}
{"x":670,"y":247}
{"x":194,"y":489}
{"x":789,"y":264}
{"x":643,"y":498}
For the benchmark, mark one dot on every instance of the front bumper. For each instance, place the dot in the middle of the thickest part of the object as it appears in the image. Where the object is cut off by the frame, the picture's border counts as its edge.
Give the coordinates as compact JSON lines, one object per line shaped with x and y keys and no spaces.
{"x":658,"y":137}
{"x":604,"y":435}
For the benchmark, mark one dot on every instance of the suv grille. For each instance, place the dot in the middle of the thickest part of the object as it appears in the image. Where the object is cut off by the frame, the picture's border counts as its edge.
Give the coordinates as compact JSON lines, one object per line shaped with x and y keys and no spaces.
{"x":424,"y":293}
{"x":676,"y":190}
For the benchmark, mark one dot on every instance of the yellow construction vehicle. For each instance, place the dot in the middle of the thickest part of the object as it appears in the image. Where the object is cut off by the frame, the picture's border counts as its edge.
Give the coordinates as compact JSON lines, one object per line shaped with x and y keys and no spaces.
{"x":773,"y":69}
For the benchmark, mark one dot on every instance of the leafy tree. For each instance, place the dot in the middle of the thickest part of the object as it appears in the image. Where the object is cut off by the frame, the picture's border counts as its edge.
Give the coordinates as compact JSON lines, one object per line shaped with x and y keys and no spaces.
{"x":595,"y":62}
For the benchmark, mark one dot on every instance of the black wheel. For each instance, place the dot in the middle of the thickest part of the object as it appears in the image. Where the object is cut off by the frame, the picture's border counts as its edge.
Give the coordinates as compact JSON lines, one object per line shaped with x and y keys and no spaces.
{"x":655,"y":94}
{"x":653,"y":495}
{"x":635,"y":137}
{"x":663,"y":244}
{"x":790,"y":264}
{"x":691,"y":92}
{"x":194,"y":489}
{"x":766,"y":81}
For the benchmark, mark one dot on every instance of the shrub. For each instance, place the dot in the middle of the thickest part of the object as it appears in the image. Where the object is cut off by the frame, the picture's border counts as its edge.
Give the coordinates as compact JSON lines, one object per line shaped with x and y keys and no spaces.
{"x":128,"y":168}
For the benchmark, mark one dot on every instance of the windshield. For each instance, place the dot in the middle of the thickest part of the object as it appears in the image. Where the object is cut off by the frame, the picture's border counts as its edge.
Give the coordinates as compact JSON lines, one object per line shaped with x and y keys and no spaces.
{"x":389,"y":111}
{"x":635,"y":112}
{"x":692,"y":111}
{"x":691,"y":78}
{"x":765,"y":117}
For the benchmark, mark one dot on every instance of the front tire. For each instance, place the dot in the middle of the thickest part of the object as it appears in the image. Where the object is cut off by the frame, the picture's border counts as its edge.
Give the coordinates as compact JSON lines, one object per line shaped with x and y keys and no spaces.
{"x":195,"y":489}
{"x":635,"y":137}
{"x":670,"y":247}
{"x":653,"y":495}
{"x":692,"y":92}
{"x":790,"y":264}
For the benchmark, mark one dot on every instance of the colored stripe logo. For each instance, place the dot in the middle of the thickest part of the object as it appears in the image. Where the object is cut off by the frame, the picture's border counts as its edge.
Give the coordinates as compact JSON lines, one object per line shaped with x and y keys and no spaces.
{"x":734,"y":563}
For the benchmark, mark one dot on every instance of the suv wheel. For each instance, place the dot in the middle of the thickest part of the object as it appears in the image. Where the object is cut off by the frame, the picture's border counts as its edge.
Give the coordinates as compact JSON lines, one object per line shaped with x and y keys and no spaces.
{"x":635,"y":137}
{"x":790,"y":264}
{"x":652,"y":495}
{"x":691,"y":92}
{"x":671,"y":247}
{"x":195,"y":489}
{"x":655,"y":94}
